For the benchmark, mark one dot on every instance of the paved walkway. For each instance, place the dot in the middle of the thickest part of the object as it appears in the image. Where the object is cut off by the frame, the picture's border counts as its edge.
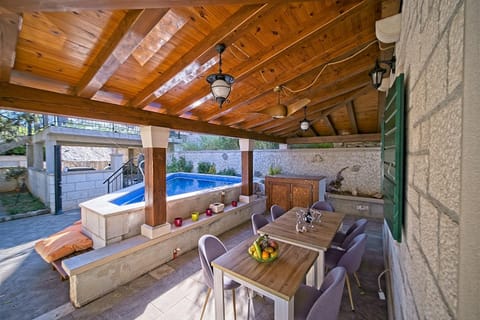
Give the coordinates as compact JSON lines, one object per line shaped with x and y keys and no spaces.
{"x":30,"y":289}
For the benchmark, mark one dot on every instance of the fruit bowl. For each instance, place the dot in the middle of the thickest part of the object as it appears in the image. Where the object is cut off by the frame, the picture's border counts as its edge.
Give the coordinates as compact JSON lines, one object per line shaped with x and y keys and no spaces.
{"x":264,"y":249}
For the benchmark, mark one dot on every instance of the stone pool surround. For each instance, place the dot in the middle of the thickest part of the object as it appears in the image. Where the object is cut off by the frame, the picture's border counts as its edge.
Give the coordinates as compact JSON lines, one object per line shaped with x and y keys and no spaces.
{"x":107,"y":223}
{"x":95,"y":273}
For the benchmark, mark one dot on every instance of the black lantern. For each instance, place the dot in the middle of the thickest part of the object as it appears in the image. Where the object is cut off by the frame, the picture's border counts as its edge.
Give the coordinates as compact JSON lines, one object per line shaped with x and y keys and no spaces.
{"x":220,"y":83}
{"x":377,"y":73}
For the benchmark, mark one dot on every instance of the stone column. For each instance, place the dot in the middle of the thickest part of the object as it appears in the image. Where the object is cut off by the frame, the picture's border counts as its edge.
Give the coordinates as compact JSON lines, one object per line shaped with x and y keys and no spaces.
{"x":49,"y":155}
{"x":38,"y":156}
{"x":246,"y":147}
{"x":155,"y":144}
{"x":283,"y":146}
{"x":116,"y":161}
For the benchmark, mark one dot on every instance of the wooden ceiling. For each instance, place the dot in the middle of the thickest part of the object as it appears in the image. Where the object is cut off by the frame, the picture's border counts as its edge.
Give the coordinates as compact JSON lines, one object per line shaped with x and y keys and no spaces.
{"x":145,"y":62}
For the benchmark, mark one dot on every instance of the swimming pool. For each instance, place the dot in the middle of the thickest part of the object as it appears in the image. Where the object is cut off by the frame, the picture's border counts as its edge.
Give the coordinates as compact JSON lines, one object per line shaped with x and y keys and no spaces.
{"x":180,"y":183}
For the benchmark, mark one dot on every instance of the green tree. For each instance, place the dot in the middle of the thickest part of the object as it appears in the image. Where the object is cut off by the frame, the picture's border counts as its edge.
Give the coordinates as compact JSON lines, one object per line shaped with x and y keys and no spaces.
{"x":213,"y":143}
{"x":266,"y":145}
{"x":14,"y":124}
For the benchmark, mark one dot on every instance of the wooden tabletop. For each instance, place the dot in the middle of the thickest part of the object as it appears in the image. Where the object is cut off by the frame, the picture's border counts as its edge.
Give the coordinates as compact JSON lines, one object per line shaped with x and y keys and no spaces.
{"x":281,"y":277}
{"x":320,"y":238}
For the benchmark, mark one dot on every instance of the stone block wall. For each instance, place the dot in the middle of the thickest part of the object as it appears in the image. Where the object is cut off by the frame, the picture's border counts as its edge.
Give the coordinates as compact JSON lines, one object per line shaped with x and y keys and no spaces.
{"x":77,"y":187}
{"x":424,"y":267}
{"x":363,"y":173}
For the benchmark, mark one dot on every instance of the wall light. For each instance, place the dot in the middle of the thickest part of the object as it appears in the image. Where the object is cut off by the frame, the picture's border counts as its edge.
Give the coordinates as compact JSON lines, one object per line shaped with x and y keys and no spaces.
{"x":377,"y":73}
{"x":220,"y":83}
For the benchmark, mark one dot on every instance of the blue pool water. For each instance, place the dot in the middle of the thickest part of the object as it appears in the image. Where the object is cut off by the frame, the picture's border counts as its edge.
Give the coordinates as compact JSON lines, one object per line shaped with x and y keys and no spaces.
{"x":178,"y":183}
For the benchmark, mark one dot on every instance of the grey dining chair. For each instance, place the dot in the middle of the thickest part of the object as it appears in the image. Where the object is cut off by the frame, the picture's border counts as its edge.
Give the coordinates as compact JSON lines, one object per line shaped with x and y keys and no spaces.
{"x":322,"y":205}
{"x":209,"y":248}
{"x":276,"y":211}
{"x":350,"y":259}
{"x":258,"y":221}
{"x":311,"y":304}
{"x":343,"y":239}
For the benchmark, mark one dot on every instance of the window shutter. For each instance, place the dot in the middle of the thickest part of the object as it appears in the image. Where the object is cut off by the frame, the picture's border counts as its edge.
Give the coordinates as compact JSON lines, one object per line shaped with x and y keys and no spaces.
{"x":393,"y":157}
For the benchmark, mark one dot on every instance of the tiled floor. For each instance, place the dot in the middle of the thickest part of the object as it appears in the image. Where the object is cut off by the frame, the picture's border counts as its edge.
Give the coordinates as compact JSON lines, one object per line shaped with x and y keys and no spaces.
{"x":176,"y":291}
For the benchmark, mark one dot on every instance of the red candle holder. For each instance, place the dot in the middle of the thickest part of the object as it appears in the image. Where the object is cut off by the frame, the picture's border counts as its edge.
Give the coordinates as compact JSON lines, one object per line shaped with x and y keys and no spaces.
{"x":234,"y":203}
{"x":178,"y":221}
{"x":208,"y":212}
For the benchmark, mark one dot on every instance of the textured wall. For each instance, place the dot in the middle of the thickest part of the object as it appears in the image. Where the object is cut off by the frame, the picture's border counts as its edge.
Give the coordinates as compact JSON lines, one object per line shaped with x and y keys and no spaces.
{"x":424,"y":267}
{"x":363,"y":173}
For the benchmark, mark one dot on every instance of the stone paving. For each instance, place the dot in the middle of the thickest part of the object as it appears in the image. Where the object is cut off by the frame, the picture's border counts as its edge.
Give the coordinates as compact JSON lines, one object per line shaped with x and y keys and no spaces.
{"x":30,"y":289}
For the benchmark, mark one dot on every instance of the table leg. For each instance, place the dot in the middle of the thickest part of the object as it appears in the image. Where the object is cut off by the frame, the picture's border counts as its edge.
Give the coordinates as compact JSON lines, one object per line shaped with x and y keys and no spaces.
{"x":284,"y":309}
{"x":218,"y":294}
{"x":320,"y":266}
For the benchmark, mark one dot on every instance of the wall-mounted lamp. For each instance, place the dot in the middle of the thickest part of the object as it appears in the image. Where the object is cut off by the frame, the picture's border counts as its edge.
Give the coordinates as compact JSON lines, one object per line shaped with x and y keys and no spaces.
{"x":220,"y":83}
{"x":377,"y":73}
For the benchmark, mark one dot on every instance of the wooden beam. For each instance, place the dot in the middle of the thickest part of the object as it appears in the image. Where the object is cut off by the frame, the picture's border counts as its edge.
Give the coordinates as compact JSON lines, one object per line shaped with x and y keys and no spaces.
{"x":129,"y":34}
{"x":10,"y":25}
{"x":368,"y":137}
{"x":329,"y":124}
{"x":78,"y":5}
{"x":247,"y":68}
{"x":206,"y":47}
{"x":38,"y":101}
{"x":351,"y":115}
{"x":155,"y":186}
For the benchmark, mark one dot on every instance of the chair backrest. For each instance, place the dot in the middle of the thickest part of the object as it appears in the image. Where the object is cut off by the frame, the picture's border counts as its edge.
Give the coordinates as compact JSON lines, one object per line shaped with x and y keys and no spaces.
{"x":357,"y":228}
{"x":209,"y":248}
{"x":258,"y":221}
{"x":276,"y":211}
{"x":352,"y":257}
{"x":322,"y":205}
{"x":327,"y":305}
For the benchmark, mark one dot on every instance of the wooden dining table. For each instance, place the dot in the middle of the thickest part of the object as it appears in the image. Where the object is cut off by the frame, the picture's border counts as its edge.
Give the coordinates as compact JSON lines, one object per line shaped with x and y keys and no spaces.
{"x":318,"y":239}
{"x":278,"y":279}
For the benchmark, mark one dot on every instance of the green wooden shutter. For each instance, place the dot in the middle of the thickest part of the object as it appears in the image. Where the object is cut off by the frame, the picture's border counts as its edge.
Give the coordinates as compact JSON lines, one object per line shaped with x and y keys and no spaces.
{"x":393,"y":145}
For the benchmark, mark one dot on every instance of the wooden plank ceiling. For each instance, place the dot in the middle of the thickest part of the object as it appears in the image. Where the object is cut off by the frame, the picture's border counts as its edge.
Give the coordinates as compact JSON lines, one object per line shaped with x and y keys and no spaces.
{"x":145,"y":63}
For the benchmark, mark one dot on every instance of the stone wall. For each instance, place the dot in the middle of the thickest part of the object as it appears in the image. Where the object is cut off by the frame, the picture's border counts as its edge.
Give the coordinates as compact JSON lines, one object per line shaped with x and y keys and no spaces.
{"x":77,"y":187}
{"x":424,"y":267}
{"x":363,"y":173}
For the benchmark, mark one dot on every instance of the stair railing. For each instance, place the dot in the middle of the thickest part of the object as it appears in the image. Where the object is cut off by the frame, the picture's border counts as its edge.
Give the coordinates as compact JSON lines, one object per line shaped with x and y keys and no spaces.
{"x":127,"y":175}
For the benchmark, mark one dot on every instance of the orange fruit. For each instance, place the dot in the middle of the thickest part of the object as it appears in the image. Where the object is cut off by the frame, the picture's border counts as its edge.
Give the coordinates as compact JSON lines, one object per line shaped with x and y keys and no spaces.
{"x":265,"y":255}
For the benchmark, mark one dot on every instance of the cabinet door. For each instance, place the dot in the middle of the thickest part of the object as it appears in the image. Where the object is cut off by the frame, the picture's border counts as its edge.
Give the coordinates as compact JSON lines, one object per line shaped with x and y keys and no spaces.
{"x":302,"y":195}
{"x":280,"y":194}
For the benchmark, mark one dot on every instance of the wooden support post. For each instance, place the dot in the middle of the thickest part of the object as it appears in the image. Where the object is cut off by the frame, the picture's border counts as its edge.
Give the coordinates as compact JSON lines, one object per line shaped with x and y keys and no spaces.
{"x":155,"y":186}
{"x":247,"y":173}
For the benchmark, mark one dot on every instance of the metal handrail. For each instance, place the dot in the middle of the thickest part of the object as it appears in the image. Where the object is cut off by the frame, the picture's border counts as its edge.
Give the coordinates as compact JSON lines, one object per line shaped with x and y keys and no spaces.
{"x":120,"y":179}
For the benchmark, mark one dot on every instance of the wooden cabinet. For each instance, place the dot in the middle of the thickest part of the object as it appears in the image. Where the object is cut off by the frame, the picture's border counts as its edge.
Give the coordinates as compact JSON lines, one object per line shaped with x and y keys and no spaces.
{"x":294,"y":191}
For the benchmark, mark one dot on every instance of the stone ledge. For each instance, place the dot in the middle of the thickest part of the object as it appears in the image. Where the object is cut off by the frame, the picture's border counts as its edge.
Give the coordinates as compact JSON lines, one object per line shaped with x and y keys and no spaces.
{"x":95,"y":273}
{"x":24,"y":215}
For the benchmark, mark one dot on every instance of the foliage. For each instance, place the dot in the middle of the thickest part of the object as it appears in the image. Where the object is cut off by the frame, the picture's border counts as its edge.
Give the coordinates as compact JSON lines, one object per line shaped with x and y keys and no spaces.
{"x":207,"y":167}
{"x":13,"y":124}
{"x":312,"y":145}
{"x":274,"y":170}
{"x":265,"y":145}
{"x":18,"y":151}
{"x":228,"y":172}
{"x":14,"y":202}
{"x":180,"y":165}
{"x":212,"y":143}
{"x":15,"y":173}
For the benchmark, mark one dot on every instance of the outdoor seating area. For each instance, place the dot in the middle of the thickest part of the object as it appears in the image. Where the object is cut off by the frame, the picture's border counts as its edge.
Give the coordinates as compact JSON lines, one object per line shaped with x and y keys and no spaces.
{"x":177,"y":289}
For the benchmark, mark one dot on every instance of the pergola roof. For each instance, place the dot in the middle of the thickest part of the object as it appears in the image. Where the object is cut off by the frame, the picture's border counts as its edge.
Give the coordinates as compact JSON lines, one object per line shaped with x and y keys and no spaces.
{"x":145,"y":62}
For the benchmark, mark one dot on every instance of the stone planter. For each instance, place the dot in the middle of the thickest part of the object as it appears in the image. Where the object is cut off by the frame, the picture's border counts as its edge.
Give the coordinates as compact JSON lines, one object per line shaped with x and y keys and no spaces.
{"x":358,"y":206}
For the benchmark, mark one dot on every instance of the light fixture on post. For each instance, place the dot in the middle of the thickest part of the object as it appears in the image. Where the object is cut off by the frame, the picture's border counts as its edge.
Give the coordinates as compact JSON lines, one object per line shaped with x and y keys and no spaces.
{"x":377,"y":73}
{"x":304,"y":124}
{"x":220,"y":83}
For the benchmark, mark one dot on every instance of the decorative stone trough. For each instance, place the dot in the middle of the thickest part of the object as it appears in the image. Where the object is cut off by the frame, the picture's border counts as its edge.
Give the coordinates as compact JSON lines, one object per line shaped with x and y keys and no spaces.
{"x":355,"y":205}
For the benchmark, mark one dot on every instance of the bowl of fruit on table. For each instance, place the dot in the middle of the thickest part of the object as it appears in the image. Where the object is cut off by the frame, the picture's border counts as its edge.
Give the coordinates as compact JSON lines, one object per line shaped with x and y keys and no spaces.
{"x":263,"y":249}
